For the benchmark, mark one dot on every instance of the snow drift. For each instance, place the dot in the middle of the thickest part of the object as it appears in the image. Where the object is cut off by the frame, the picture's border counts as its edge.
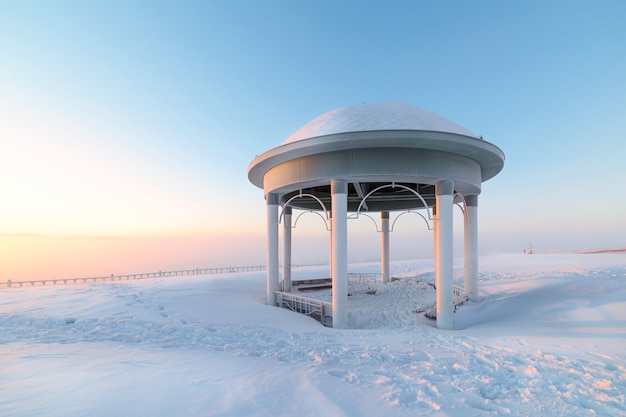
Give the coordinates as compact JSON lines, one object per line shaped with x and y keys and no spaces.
{"x":546,"y":338}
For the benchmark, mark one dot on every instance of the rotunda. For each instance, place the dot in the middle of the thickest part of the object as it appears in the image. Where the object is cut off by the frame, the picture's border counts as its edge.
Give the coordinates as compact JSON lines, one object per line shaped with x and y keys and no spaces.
{"x":377,"y":157}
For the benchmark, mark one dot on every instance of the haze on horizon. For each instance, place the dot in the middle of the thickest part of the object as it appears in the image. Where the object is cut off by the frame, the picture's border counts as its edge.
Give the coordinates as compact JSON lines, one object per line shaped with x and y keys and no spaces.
{"x":126,"y":129}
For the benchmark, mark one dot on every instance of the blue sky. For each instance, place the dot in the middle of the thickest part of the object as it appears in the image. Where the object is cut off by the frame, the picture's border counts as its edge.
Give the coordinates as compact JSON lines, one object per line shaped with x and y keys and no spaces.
{"x":140,"y":118}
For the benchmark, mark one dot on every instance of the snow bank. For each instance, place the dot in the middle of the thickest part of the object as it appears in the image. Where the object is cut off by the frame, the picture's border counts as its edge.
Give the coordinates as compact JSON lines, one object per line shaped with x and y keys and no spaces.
{"x":546,"y":338}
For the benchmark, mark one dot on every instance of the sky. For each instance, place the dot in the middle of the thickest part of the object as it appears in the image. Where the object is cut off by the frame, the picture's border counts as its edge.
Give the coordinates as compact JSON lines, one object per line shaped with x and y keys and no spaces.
{"x":126,"y":128}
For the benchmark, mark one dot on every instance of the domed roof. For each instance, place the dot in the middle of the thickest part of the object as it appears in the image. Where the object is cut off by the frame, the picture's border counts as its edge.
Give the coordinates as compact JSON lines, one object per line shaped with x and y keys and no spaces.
{"x":375,"y":143}
{"x":386,"y":115}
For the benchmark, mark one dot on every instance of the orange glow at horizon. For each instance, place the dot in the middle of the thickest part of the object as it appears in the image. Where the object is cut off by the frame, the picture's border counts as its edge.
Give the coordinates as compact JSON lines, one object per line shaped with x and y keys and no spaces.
{"x":33,"y":257}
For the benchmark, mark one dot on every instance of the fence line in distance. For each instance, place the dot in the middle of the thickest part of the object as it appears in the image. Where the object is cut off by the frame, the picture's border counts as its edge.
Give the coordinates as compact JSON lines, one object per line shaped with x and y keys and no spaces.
{"x":132,"y":277}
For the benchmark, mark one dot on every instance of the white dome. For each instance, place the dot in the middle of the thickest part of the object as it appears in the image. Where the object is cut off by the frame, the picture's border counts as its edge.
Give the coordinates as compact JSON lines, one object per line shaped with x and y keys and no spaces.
{"x":386,"y":115}
{"x":375,"y":143}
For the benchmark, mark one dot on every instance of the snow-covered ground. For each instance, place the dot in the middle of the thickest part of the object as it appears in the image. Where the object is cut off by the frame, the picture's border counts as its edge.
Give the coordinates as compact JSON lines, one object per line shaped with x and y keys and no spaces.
{"x":547,"y":338}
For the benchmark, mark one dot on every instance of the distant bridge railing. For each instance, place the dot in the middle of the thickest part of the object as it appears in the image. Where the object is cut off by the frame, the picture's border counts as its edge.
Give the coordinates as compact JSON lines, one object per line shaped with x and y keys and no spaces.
{"x":132,"y":277}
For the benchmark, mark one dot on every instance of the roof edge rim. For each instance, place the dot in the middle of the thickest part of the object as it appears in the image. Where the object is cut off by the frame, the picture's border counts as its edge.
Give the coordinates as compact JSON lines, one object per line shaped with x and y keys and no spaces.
{"x":288,"y":151}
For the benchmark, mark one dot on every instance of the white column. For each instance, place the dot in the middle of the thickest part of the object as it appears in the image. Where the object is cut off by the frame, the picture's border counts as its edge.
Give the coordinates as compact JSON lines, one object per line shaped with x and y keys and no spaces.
{"x":272,"y":247}
{"x":470,"y":246}
{"x":435,"y":239}
{"x":330,"y":244}
{"x":287,"y":248}
{"x":384,"y":258}
{"x":339,"y":260}
{"x":444,"y":255}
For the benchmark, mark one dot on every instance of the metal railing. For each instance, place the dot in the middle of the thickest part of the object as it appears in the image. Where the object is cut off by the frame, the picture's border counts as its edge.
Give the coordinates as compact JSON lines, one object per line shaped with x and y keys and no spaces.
{"x":321,"y":311}
{"x":132,"y":277}
{"x":365,"y":276}
{"x":458,"y":290}
{"x":363,"y":282}
{"x":460,"y":297}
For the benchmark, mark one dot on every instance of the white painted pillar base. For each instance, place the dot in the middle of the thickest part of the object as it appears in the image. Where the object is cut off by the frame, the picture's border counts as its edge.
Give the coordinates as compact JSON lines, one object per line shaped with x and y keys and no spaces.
{"x":339,"y":257}
{"x":444,"y":255}
{"x":384,"y":259}
{"x":470,"y":245}
{"x":287,"y":248}
{"x":272,"y":248}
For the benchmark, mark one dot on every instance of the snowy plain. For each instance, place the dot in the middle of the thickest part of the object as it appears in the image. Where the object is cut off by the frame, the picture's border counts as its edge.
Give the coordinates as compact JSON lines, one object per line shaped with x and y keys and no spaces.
{"x":546,"y":338}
